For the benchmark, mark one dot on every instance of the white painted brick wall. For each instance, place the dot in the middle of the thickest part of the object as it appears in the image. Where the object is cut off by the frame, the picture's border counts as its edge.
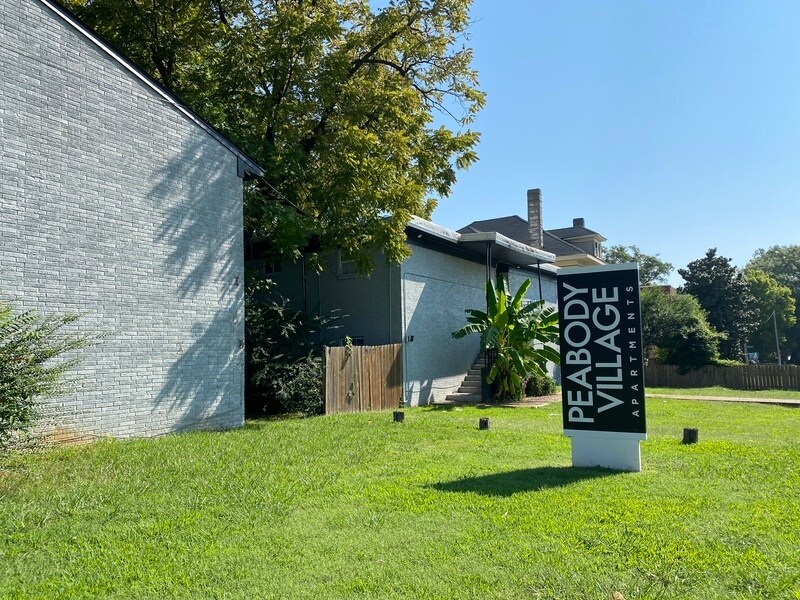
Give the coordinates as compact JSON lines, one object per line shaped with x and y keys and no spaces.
{"x":437,"y":288}
{"x":115,"y":205}
{"x":549,"y":290}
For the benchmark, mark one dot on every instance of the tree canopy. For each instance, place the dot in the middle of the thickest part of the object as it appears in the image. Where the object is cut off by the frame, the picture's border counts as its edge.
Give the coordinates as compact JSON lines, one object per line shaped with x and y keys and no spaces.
{"x":341,"y":103}
{"x":679,"y":328}
{"x":724,"y":294}
{"x":652,"y":270}
{"x":770,"y":297}
{"x":782,"y":263}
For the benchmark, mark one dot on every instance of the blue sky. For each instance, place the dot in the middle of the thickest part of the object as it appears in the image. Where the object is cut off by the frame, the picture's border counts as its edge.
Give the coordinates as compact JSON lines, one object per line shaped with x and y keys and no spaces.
{"x":672,"y":125}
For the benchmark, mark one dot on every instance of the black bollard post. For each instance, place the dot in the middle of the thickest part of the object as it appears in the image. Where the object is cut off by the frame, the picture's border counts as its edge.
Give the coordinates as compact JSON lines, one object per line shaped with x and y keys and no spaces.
{"x":483,"y":423}
{"x":689,"y":436}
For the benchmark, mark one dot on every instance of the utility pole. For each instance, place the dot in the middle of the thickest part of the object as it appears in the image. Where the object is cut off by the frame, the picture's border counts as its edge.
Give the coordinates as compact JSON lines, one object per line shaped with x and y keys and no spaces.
{"x":777,"y":343}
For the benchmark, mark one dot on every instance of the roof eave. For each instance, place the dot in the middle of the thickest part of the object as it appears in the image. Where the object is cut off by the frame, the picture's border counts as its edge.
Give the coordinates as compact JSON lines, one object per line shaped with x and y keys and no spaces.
{"x":423,"y":226}
{"x":518,"y":251}
{"x":584,"y":258}
{"x":585,"y":238}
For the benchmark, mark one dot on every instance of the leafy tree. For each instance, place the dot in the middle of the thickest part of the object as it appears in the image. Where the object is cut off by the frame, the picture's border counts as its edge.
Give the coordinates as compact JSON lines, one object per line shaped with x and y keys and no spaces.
{"x":32,"y":366}
{"x":677,"y":325}
{"x":523,"y":337}
{"x":783,"y":264}
{"x":652,"y":270}
{"x":724,"y":294}
{"x":770,"y":297}
{"x":170,"y":40}
{"x":334,"y":98}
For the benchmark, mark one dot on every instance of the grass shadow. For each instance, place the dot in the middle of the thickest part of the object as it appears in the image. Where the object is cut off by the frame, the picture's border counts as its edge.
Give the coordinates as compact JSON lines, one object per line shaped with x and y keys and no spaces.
{"x":522,"y":480}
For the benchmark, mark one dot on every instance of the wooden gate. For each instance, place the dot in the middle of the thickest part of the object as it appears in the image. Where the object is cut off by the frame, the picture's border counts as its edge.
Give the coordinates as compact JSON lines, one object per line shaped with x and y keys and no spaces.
{"x":363,"y":378}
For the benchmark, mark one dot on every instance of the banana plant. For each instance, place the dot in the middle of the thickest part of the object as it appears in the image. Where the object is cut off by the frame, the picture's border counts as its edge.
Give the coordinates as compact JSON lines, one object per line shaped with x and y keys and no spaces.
{"x":523,"y":337}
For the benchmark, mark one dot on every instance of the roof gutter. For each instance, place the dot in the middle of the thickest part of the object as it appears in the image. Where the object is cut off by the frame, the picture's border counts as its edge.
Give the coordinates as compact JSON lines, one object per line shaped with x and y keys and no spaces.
{"x":535,"y":254}
{"x":432,"y":229}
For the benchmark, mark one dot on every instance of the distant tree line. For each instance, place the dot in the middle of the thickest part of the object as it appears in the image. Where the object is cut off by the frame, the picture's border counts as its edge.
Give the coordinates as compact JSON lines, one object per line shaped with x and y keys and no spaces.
{"x":721,"y":312}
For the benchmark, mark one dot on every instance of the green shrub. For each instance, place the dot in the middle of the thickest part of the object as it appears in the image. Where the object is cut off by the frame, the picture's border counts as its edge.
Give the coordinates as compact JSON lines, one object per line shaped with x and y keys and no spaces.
{"x":678,"y":326}
{"x":31,"y":366}
{"x":283,"y":363}
{"x":302,"y":387}
{"x":726,"y":362}
{"x":537,"y":385}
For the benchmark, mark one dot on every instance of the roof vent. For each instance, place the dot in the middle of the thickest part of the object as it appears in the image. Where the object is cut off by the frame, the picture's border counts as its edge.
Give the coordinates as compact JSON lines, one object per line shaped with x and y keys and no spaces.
{"x":580,"y":222}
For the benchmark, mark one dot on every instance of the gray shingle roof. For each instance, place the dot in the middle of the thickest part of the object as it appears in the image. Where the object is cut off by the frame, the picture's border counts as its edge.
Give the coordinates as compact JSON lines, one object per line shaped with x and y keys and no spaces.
{"x":560,"y":247}
{"x":516,"y":228}
{"x":513,"y":227}
{"x":568,"y":233}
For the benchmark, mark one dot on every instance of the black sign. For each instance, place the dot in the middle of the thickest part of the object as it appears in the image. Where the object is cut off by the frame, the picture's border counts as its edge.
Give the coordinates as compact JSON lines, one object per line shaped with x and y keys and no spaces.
{"x":602,"y":376}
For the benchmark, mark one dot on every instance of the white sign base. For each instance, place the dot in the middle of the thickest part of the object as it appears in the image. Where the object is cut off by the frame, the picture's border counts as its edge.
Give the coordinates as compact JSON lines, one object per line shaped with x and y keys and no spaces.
{"x":612,"y":450}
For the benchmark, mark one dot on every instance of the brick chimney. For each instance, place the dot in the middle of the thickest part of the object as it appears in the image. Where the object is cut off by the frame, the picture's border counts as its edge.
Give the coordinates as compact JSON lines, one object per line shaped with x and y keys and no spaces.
{"x":535,"y":230}
{"x":580,"y":222}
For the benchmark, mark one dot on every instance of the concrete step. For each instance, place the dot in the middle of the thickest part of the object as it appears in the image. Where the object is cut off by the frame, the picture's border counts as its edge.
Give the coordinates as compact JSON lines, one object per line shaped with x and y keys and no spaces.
{"x":471,"y":386}
{"x":458,"y":398}
{"x":467,"y":389}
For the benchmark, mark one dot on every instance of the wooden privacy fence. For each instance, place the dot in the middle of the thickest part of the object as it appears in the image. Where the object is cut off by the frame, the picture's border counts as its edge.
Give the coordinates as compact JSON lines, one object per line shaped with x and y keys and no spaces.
{"x":363,"y":378}
{"x":746,"y":377}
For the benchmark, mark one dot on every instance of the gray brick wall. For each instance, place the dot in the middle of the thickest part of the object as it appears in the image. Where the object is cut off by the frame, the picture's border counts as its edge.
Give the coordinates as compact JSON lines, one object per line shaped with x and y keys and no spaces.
{"x":549,"y":290}
{"x":115,"y":205}
{"x":368,"y":305}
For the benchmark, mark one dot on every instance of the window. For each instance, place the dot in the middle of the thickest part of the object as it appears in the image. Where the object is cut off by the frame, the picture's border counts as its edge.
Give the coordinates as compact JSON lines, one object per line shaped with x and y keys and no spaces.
{"x":347,"y":266}
{"x":272,"y":266}
{"x":354,"y":341}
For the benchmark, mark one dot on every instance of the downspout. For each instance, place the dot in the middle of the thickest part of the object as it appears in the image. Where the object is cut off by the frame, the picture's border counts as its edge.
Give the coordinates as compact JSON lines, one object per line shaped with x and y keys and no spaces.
{"x":488,"y":270}
{"x":389,"y":303}
{"x":319,"y":294}
{"x":489,"y":353}
{"x":539,"y":275}
{"x":305,"y":286}
{"x":403,"y":335}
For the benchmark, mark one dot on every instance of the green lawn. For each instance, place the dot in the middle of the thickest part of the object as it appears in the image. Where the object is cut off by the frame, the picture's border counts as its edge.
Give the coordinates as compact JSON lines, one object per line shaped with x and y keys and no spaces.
{"x":721,"y":392}
{"x":356,"y":506}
